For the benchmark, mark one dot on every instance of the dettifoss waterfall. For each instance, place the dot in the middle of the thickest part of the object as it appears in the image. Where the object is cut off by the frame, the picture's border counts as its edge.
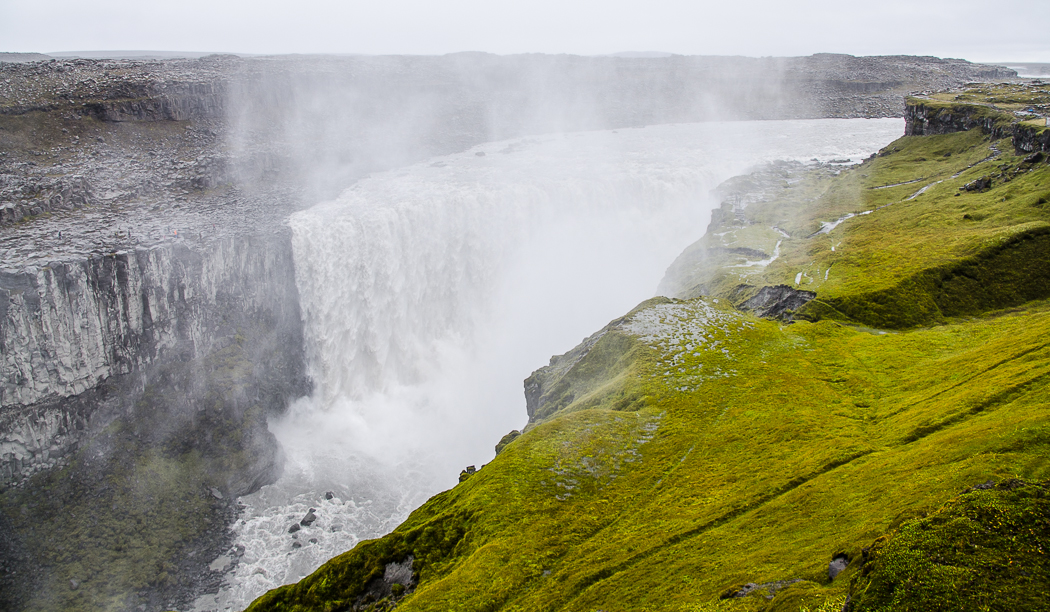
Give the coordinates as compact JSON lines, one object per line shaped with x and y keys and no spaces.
{"x":430,"y":292}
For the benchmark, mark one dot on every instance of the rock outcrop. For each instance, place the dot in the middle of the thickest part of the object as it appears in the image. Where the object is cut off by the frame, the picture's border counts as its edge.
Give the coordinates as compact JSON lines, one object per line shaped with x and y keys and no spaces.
{"x":991,"y":109}
{"x":67,"y":328}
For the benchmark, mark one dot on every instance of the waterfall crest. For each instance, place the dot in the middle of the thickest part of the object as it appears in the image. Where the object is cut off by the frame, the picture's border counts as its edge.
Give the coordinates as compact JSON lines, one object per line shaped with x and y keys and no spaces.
{"x":430,"y":292}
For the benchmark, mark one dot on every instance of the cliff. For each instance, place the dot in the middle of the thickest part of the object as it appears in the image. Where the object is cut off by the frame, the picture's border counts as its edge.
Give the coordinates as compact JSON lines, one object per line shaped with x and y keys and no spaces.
{"x":154,"y":365}
{"x":1017,"y":111}
{"x":67,"y":327}
{"x":693,"y":455}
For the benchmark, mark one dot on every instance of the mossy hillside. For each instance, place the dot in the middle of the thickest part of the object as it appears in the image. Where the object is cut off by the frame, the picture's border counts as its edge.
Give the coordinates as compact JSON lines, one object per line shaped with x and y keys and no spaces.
{"x":1004,"y":96}
{"x":799,"y":442}
{"x":986,"y":550}
{"x":917,"y":249}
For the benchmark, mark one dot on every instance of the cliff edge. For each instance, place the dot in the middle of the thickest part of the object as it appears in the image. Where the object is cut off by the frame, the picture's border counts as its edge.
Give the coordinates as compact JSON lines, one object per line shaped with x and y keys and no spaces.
{"x":840,"y":407}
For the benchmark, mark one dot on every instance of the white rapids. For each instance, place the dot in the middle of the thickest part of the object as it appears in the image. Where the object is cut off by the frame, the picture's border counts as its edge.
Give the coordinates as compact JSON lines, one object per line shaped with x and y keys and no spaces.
{"x":430,"y":292}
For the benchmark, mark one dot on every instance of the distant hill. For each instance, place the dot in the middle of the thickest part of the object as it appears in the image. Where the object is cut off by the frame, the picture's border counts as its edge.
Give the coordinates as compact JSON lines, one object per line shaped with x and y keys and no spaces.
{"x":129,"y":54}
{"x":22,"y":57}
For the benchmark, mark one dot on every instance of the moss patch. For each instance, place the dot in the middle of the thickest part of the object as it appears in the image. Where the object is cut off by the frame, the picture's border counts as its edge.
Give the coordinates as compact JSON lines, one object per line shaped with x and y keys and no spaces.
{"x":986,"y":550}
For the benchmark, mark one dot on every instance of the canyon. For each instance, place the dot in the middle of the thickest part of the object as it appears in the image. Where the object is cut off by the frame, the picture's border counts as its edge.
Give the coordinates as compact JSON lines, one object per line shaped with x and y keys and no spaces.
{"x":150,"y":320}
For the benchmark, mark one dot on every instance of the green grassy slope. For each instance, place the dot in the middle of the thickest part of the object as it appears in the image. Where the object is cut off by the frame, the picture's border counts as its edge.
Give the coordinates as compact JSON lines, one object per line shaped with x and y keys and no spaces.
{"x":735,"y":450}
{"x":903,"y":258}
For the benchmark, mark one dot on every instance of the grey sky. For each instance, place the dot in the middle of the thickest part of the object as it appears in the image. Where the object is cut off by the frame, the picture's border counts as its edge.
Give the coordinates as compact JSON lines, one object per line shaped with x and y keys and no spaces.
{"x":975,"y":30}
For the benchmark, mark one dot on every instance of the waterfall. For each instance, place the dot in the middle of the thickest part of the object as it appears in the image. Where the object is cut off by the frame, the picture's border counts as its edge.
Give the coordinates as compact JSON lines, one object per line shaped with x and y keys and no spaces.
{"x":430,"y":292}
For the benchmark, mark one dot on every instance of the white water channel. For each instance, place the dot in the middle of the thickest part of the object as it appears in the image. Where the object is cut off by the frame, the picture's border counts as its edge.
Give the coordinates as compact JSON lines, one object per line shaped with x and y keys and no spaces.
{"x":430,"y":292}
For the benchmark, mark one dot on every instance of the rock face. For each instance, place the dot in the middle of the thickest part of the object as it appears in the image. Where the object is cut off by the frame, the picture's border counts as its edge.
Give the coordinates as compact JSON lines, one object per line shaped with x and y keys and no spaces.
{"x":66,"y":328}
{"x":539,"y":384}
{"x":773,"y":302}
{"x":991,"y":110}
{"x":1031,"y":139}
{"x":926,"y":120}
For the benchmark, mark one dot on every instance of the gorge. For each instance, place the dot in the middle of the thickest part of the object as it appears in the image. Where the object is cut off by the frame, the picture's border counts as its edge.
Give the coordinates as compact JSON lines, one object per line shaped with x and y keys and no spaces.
{"x":149,"y":342}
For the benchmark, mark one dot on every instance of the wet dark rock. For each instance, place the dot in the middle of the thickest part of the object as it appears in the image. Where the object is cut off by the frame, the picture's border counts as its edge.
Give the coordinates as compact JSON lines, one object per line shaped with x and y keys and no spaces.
{"x":838,"y":563}
{"x":984,"y":486}
{"x":467,"y":473}
{"x":398,"y":579}
{"x":329,"y":495}
{"x":309,"y":518}
{"x":777,"y":301}
{"x":981,"y":184}
{"x":297,"y":545}
{"x":295,"y":527}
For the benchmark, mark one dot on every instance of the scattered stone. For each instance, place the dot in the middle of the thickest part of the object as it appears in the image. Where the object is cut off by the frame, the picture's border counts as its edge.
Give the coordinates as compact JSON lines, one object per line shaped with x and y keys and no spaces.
{"x":769,"y":589}
{"x":74,"y":583}
{"x":297,"y":545}
{"x":838,"y":563}
{"x":329,"y":495}
{"x":309,"y":518}
{"x":985,"y":182}
{"x":217,"y":494}
{"x":295,"y":527}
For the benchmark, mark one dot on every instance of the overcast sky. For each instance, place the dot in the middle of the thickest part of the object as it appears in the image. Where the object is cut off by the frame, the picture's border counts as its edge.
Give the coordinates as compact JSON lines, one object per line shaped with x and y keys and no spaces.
{"x":976,"y":30}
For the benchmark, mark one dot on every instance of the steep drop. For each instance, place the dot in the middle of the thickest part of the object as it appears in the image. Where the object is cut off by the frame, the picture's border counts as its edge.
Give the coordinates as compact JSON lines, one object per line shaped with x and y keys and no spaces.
{"x":430,"y":292}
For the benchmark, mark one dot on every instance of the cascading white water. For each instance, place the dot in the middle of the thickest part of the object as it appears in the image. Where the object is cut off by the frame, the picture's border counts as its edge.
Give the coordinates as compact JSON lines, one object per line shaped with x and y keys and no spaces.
{"x":430,"y":292}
